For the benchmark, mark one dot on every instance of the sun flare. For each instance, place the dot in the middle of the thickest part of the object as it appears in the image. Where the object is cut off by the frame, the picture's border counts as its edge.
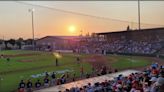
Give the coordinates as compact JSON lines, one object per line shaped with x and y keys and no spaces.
{"x":72,"y":29}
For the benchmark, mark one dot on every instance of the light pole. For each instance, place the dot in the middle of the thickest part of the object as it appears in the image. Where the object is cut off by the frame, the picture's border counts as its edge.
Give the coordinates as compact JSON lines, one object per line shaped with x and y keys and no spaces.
{"x":139,"y":27}
{"x":32,"y":15}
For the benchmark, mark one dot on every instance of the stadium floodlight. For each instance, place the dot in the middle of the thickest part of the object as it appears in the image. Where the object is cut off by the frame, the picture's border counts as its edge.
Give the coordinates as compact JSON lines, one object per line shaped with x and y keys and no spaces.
{"x":32,"y":17}
{"x":139,"y":24}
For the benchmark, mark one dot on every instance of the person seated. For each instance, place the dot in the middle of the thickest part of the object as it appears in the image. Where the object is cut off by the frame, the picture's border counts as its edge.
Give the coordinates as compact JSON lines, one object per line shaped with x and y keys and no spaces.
{"x":22,"y":86}
{"x":38,"y":84}
{"x":62,"y":80}
{"x":115,"y":70}
{"x":46,"y":82}
{"x":87,"y":75}
{"x":29,"y":86}
{"x":67,"y":90}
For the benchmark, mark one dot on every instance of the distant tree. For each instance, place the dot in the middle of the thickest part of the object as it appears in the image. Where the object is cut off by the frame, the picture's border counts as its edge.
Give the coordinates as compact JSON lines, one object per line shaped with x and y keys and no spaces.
{"x":87,"y":34}
{"x":19,"y":42}
{"x":93,"y":35}
{"x":6,"y":42}
{"x":28,"y":42}
{"x":12,"y":42}
{"x":1,"y":42}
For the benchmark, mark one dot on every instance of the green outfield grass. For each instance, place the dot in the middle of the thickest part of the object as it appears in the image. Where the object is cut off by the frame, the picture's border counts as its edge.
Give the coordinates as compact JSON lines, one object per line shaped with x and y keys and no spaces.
{"x":10,"y":80}
{"x":125,"y":62}
{"x":13,"y":71}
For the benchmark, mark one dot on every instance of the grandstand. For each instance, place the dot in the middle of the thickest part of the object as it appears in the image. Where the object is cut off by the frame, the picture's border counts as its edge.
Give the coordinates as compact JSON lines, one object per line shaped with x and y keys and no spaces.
{"x":144,"y":41}
{"x":85,"y":82}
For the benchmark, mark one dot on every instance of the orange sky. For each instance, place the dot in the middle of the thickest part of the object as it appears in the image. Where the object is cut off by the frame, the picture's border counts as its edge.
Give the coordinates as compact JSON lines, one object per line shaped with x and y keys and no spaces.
{"x":15,"y":20}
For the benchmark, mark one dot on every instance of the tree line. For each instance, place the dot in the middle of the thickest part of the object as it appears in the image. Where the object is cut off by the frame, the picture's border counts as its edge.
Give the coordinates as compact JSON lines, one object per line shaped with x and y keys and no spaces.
{"x":17,"y":43}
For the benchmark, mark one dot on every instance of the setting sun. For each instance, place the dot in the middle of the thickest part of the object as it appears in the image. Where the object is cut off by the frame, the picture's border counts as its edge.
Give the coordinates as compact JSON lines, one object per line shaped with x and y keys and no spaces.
{"x":72,"y":29}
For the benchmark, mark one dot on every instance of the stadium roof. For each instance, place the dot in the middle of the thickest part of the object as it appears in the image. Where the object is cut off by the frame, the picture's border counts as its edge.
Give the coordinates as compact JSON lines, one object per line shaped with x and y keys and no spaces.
{"x":126,"y":31}
{"x":62,"y":37}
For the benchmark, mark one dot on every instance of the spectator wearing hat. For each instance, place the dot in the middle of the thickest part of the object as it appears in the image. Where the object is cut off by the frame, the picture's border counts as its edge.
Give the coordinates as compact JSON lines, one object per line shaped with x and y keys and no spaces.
{"x":146,"y":88}
{"x":153,"y":85}
{"x":160,"y":83}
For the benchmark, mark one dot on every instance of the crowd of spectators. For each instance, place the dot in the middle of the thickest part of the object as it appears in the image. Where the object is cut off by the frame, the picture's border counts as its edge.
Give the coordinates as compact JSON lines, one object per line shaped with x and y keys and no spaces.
{"x":50,"y":79}
{"x":150,"y":80}
{"x":143,"y":45}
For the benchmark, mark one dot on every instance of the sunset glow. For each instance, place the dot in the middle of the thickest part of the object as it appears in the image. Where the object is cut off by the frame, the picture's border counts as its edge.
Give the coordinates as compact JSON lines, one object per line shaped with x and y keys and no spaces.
{"x":104,"y":16}
{"x":72,"y":29}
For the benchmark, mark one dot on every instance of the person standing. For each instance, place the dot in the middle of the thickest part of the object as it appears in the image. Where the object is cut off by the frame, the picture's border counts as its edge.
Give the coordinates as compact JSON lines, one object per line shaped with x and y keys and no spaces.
{"x":81,"y":71}
{"x":78,"y":60}
{"x":57,"y":62}
{"x":53,"y":76}
{"x":46,"y":74}
{"x":74,"y":75}
{"x":93,"y":70}
{"x":8,"y":60}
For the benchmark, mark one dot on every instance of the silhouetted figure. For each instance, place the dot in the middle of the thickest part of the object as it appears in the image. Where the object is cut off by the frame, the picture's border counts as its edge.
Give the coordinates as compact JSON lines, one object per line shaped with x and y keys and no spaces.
{"x":29,"y":86}
{"x":46,"y":82}
{"x":104,"y":70}
{"x":78,"y":60}
{"x":81,"y":71}
{"x":115,"y":70}
{"x":8,"y":59}
{"x":57,"y":62}
{"x":22,"y":84}
{"x":53,"y":76}
{"x":62,"y":79}
{"x":73,"y":79}
{"x":38,"y":84}
{"x":87,"y":75}
{"x":93,"y":70}
{"x":58,"y":81}
{"x":46,"y":74}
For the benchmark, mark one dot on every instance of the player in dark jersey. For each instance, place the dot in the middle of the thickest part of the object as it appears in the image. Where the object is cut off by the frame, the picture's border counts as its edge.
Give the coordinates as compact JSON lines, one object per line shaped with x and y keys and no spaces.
{"x":46,"y":82}
{"x":38,"y":84}
{"x":22,"y":86}
{"x":53,"y":76}
{"x":78,"y":60}
{"x":29,"y":86}
{"x":57,"y":64}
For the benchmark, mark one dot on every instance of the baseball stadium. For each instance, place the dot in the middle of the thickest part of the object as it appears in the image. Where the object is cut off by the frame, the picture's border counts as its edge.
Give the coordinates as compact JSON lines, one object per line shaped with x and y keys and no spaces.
{"x":128,"y":59}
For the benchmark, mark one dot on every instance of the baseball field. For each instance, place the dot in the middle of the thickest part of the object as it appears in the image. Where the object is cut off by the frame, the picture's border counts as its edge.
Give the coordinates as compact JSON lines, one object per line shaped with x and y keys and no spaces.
{"x":33,"y":64}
